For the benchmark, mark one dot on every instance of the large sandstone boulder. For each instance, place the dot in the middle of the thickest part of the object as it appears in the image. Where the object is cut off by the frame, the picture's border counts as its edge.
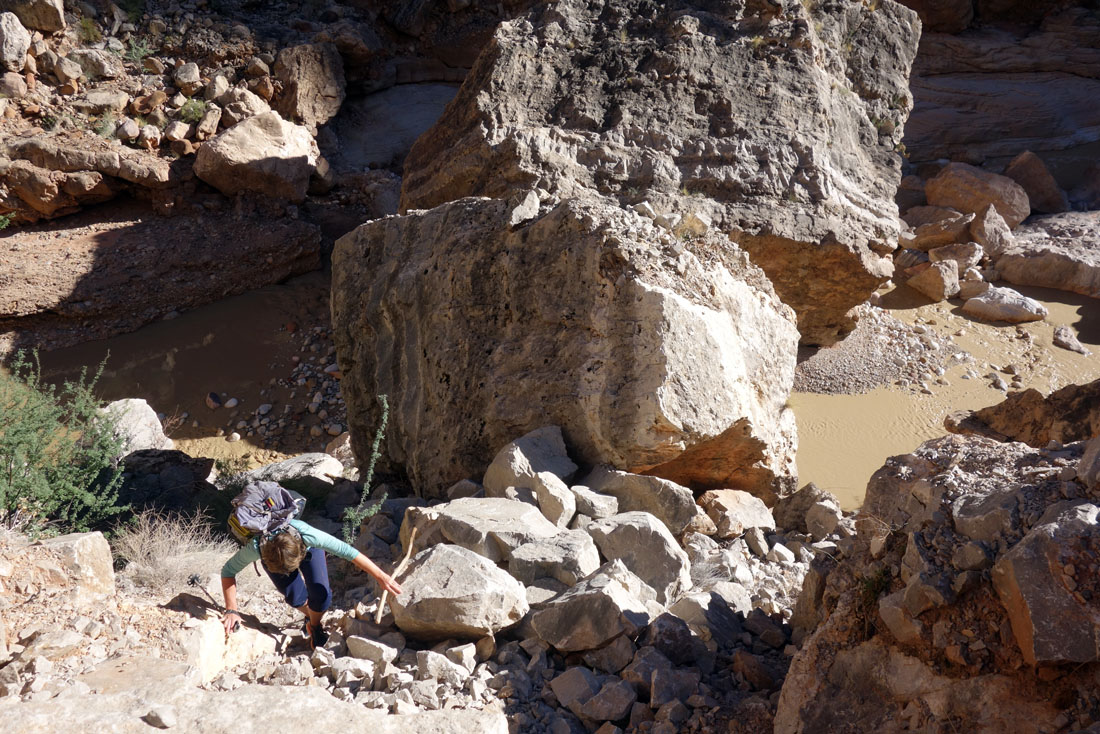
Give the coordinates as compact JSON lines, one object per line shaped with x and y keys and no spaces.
{"x":1004,"y":304}
{"x":492,"y":527}
{"x":313,"y":83}
{"x":450,"y":592}
{"x":264,"y":154}
{"x":38,"y":15}
{"x":940,"y":643}
{"x":647,"y":549}
{"x":137,"y":425}
{"x":459,"y":317}
{"x":970,"y":190}
{"x":1058,"y":251}
{"x":1043,"y":192}
{"x":794,"y":159}
{"x":1069,"y":414}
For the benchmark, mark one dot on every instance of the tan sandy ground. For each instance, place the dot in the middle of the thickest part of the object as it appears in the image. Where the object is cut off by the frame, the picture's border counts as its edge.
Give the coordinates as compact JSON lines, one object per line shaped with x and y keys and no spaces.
{"x":843,"y":439}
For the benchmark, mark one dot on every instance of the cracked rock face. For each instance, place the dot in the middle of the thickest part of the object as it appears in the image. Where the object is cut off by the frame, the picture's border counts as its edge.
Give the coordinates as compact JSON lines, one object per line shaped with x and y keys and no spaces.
{"x":590,"y":318}
{"x":777,"y":123}
{"x":991,"y":541}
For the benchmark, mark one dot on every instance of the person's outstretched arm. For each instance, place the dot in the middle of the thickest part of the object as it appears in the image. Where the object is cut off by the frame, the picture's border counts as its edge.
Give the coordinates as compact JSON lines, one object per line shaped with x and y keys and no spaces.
{"x":384,"y":579}
{"x":229,"y":590}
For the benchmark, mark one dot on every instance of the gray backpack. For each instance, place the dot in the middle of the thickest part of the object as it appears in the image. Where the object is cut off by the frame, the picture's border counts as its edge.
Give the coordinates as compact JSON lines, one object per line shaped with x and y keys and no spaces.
{"x":262,"y":508}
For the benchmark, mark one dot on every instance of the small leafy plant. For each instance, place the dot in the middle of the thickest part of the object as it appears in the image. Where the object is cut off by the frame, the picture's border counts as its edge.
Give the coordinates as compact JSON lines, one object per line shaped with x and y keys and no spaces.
{"x":137,"y":49}
{"x":353,"y":518}
{"x":58,"y":452}
{"x":87,"y":31}
{"x":6,"y":220}
{"x":192,"y":111}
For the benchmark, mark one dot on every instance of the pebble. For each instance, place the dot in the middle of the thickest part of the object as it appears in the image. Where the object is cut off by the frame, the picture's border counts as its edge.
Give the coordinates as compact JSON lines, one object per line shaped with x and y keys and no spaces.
{"x":233,"y":437}
{"x":232,"y":403}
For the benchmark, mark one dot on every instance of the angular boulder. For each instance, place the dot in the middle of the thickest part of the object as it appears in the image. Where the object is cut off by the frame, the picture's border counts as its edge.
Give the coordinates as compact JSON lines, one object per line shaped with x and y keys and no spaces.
{"x":521,"y":460}
{"x":137,"y":424}
{"x":567,"y":557}
{"x":313,"y":86}
{"x":595,"y":611}
{"x":970,"y":190}
{"x":990,"y":231}
{"x":264,"y":154}
{"x":308,"y":473}
{"x":647,"y":549}
{"x":87,"y":560}
{"x":492,"y":527}
{"x":47,"y":16}
{"x":1069,"y":414}
{"x":1058,"y":251}
{"x":1005,"y":304}
{"x":734,"y":512}
{"x":714,"y":349}
{"x":782,"y":156}
{"x":1037,"y":582}
{"x":1043,"y":192}
{"x":666,"y":500}
{"x":450,"y":592}
{"x":14,"y":42}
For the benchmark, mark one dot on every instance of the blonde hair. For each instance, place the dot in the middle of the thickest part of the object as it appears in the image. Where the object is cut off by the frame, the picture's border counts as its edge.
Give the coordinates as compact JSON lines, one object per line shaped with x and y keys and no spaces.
{"x":283,"y":552}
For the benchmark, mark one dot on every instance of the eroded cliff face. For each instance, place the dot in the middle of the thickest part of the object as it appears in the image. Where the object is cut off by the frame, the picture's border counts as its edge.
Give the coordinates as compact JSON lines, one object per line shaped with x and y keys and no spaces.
{"x":969,"y":604}
{"x":778,"y":121}
{"x":1022,"y":79}
{"x":639,"y":344}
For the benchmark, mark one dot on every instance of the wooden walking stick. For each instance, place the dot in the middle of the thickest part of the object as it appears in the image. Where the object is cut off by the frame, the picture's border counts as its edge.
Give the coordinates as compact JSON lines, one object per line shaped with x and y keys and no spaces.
{"x":396,"y":572}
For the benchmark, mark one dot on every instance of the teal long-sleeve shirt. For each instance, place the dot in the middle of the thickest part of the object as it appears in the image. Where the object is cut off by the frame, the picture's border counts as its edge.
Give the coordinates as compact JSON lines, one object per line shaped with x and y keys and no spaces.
{"x":312,"y":537}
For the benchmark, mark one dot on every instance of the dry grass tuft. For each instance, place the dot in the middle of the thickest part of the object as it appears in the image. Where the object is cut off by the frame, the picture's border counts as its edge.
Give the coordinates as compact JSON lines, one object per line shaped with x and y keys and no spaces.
{"x":162,"y":551}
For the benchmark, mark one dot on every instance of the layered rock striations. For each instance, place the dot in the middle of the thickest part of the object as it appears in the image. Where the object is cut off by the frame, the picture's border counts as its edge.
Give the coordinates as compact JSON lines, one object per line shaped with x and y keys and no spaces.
{"x":993,"y":91}
{"x":638,"y":344}
{"x":777,"y":122}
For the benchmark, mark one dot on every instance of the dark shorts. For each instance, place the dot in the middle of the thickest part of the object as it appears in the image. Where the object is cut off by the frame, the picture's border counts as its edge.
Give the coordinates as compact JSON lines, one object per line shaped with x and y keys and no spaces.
{"x":308,"y":584}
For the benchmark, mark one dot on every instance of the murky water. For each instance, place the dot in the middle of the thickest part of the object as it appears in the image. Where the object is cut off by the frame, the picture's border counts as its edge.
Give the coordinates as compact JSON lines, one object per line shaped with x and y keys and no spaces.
{"x":238,"y":346}
{"x":843,"y":439}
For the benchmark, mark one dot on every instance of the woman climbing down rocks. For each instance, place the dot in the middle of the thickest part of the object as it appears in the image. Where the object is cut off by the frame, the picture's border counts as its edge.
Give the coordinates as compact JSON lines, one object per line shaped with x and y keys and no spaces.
{"x":293,"y":555}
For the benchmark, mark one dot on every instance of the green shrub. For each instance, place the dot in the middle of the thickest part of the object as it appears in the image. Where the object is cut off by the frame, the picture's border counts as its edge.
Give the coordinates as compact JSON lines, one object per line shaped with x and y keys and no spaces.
{"x":106,"y":125}
{"x":6,"y":220}
{"x":353,"y":518}
{"x":58,"y":470}
{"x":192,"y":111}
{"x":136,"y":50}
{"x":87,"y":31}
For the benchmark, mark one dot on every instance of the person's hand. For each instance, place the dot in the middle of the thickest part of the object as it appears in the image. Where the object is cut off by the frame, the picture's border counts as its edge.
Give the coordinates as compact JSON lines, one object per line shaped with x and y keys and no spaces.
{"x":231,"y":621}
{"x":388,"y":584}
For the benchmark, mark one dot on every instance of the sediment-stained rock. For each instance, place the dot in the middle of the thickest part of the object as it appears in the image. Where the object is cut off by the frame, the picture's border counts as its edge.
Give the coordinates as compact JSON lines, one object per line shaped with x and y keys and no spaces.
{"x":942,"y":641}
{"x":1069,"y":414}
{"x":590,"y":317}
{"x":776,"y":123}
{"x":1058,"y":251}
